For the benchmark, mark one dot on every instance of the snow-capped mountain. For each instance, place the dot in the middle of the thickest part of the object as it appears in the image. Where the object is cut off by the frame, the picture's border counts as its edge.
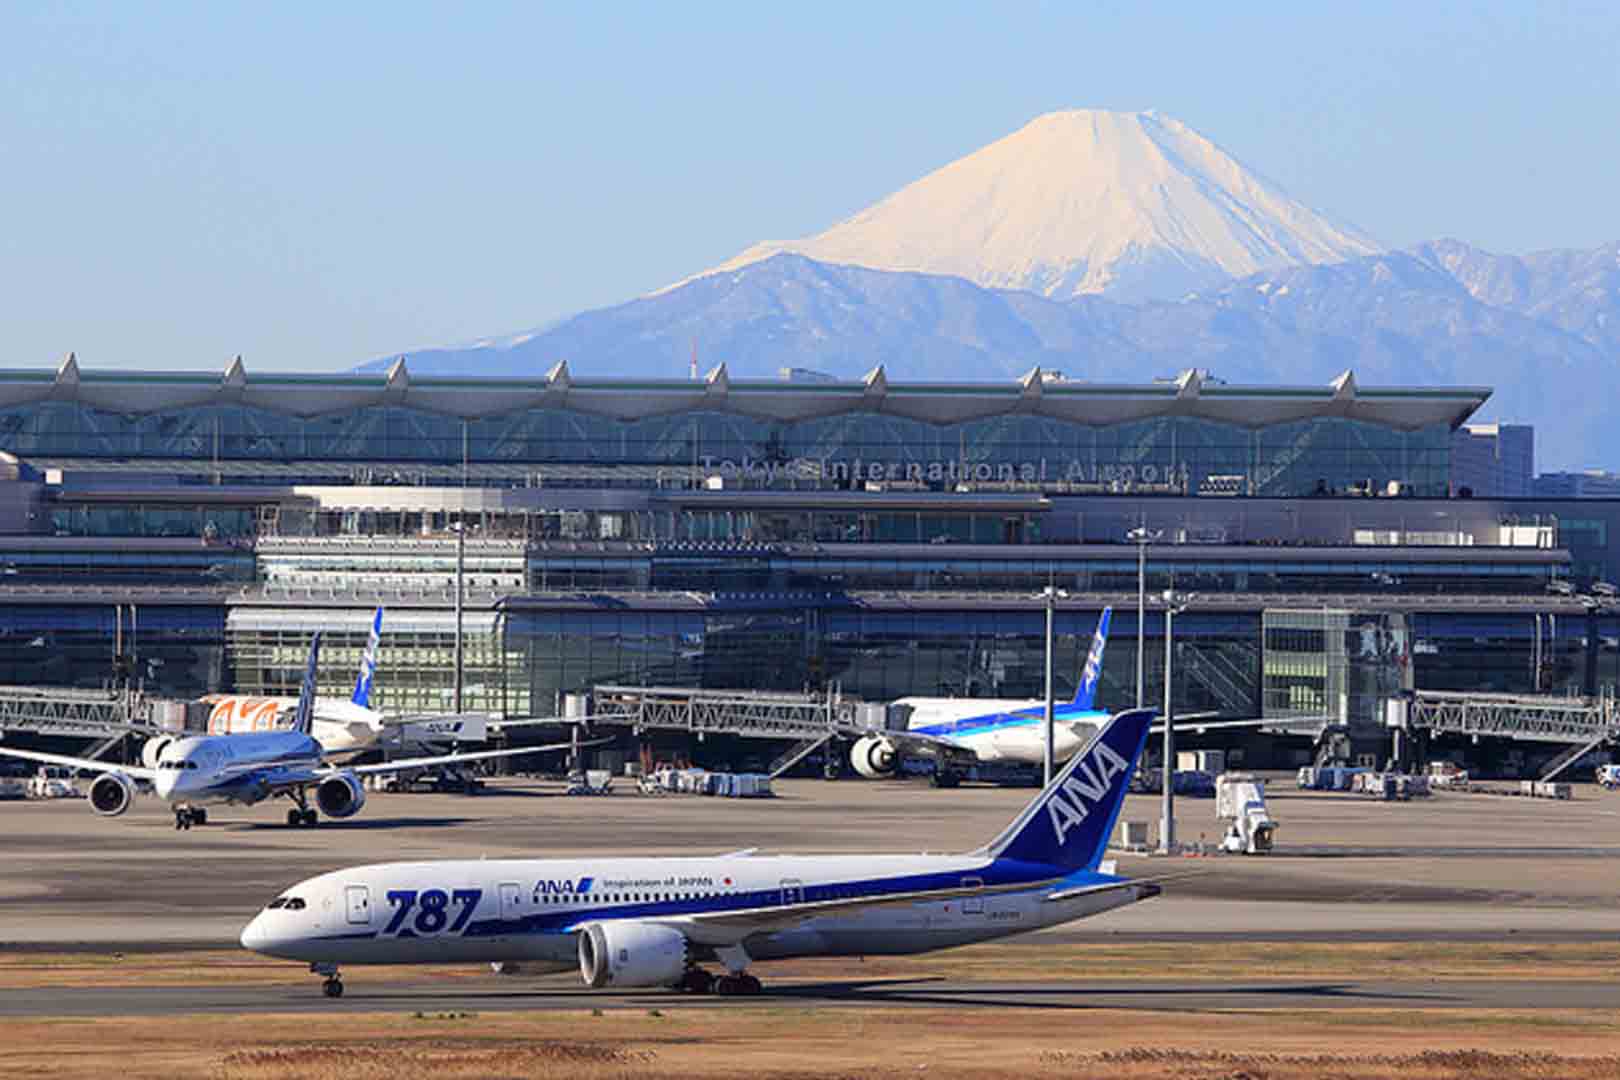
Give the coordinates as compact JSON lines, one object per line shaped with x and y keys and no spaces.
{"x":1132,"y":206}
{"x":1574,"y":290}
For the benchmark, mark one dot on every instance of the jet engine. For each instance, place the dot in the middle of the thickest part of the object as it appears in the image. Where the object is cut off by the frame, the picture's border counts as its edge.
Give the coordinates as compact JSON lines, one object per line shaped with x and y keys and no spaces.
{"x":152,"y":749}
{"x":874,"y":757}
{"x":631,"y":954}
{"x":340,"y":796}
{"x":111,"y":794}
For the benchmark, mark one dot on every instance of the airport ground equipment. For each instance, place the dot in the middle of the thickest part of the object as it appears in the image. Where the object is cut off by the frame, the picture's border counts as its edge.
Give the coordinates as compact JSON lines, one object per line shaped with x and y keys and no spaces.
{"x":1609,"y":776}
{"x":1240,"y":800}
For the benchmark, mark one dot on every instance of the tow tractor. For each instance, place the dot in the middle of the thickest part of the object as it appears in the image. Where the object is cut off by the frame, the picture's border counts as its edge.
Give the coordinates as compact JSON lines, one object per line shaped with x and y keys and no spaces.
{"x":1609,"y":776}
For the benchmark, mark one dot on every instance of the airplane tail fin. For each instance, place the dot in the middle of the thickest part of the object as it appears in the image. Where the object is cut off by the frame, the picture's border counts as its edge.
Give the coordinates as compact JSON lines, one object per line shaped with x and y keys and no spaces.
{"x":368,"y":663}
{"x":1085,"y":694}
{"x":304,"y":716}
{"x":1068,"y":824}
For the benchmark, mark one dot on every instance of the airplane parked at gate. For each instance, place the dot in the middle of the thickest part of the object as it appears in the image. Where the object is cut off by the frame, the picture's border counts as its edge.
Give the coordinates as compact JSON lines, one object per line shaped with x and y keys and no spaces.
{"x":959,"y":732}
{"x":191,"y":772}
{"x":341,"y":725}
{"x":652,"y":922}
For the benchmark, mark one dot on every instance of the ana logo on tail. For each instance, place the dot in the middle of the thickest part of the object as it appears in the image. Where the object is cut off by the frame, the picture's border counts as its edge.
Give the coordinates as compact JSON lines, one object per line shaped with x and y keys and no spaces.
{"x":1085,"y":695}
{"x":368,"y":663}
{"x":304,"y":716}
{"x":1074,"y":799}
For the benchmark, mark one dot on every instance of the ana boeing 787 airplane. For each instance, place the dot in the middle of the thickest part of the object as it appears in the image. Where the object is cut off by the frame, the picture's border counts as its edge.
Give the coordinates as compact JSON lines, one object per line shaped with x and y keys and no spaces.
{"x":958,"y":732}
{"x":193,"y":771}
{"x":653,"y":922}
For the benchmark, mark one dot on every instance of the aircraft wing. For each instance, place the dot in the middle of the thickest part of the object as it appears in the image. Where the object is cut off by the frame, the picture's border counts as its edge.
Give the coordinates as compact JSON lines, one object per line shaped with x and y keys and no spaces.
{"x":913,"y":743}
{"x":1279,"y":722}
{"x":724,"y":927}
{"x":449,"y":759}
{"x":285,"y":779}
{"x":90,"y":764}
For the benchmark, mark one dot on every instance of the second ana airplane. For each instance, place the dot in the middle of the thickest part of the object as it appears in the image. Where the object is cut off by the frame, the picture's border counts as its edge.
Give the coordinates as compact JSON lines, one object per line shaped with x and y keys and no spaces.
{"x":654,"y":922}
{"x":341,"y":725}
{"x":191,"y":772}
{"x":958,"y":732}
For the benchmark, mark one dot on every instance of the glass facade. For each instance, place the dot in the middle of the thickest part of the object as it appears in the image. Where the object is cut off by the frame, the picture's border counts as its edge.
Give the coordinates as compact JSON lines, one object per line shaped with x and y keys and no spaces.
{"x":879,"y":656}
{"x":1337,"y":664}
{"x":1167,"y":454}
{"x":170,"y":650}
{"x":137,"y":519}
{"x":267,"y":650}
{"x":1354,"y":571}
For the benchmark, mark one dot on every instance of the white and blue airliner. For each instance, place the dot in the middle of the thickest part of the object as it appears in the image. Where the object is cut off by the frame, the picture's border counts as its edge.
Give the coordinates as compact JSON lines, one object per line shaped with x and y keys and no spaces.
{"x":960,"y":732}
{"x":655,"y":922}
{"x":192,"y":772}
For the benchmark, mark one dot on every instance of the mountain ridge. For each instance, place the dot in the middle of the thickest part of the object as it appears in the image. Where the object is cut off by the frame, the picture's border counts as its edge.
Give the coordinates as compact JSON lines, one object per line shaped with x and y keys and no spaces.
{"x":1396,"y":318}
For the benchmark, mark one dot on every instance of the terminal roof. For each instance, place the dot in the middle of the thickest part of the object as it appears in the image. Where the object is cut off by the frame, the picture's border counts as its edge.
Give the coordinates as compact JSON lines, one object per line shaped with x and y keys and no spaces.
{"x":1090,"y":403}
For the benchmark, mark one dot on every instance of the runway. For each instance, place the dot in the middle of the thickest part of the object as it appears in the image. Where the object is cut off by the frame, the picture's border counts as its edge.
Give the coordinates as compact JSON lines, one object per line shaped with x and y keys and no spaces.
{"x":1166,"y":996}
{"x":1449,"y":868}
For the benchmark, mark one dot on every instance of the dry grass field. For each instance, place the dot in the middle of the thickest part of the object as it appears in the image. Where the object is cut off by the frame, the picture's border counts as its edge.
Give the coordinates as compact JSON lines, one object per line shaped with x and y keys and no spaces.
{"x":781,"y":1042}
{"x":788,"y":1039}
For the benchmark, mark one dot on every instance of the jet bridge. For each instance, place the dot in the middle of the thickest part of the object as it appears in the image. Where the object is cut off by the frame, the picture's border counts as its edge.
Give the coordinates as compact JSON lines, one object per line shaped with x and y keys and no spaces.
{"x":745,"y":714}
{"x":89,"y":714}
{"x":807,"y":721}
{"x":1582,"y":723}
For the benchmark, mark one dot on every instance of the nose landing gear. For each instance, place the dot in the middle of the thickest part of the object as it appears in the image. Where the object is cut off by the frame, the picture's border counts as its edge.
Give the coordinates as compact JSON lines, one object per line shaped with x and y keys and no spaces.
{"x":301,"y":815}
{"x":332,"y":985}
{"x":185,"y":817}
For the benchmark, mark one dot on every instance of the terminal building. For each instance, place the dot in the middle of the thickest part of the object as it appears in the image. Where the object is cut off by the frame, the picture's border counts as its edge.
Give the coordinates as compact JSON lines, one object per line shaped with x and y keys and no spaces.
{"x":190,"y":530}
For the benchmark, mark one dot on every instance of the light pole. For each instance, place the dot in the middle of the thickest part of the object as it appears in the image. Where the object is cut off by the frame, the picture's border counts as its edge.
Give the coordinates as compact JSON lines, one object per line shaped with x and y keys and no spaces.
{"x":1598,"y":600}
{"x":1174,"y":604}
{"x":1141,"y":536}
{"x":1050,"y":595}
{"x":461,"y":567}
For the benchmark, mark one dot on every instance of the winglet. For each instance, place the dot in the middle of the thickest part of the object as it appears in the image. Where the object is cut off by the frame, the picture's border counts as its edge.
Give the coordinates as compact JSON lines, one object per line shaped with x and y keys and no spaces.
{"x":1085,"y":694}
{"x":368,"y":663}
{"x":304,"y":717}
{"x":1068,"y":824}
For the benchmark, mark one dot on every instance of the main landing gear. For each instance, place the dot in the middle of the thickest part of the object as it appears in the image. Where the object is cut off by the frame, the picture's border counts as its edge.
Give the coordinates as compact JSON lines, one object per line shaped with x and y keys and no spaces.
{"x":332,"y":986}
{"x":185,"y":817}
{"x":302,"y":816}
{"x":698,"y":981}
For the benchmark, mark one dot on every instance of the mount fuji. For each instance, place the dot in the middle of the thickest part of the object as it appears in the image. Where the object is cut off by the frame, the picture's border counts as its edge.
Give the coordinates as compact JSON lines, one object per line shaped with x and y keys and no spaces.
{"x":1131,"y":206}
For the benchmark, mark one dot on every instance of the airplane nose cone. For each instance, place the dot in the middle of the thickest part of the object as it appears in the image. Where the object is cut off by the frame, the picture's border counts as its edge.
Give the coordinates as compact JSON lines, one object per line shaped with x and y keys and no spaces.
{"x":254,"y":937}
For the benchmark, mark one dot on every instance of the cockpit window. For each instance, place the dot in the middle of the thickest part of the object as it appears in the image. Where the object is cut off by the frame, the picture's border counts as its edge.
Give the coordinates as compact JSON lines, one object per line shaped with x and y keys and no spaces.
{"x":294,"y":903}
{"x":191,"y":764}
{"x":280,"y":901}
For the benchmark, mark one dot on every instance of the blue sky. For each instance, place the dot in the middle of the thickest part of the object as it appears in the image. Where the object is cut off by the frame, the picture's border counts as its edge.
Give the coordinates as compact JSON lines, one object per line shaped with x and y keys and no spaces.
{"x":314,"y":185}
